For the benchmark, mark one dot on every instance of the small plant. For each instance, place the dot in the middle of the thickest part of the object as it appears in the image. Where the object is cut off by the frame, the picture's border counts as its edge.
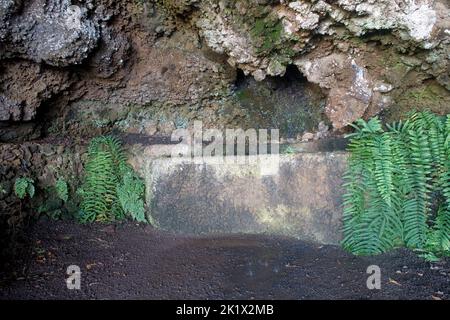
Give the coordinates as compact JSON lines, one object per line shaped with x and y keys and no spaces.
{"x":24,"y":186}
{"x":131,"y":193}
{"x":289,"y":150}
{"x":110,"y":190}
{"x":395,"y":179}
{"x":2,"y":189}
{"x":62,"y":189}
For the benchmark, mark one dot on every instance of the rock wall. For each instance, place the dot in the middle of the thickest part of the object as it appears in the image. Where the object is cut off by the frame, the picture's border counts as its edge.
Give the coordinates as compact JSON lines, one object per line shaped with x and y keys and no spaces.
{"x":319,"y":37}
{"x":80,"y":67}
{"x":54,"y":32}
{"x":44,"y":163}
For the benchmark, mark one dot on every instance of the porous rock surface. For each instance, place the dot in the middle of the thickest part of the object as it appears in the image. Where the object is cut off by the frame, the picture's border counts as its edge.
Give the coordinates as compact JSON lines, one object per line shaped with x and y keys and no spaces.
{"x":269,"y":40}
{"x":55,"y":32}
{"x":167,"y":63}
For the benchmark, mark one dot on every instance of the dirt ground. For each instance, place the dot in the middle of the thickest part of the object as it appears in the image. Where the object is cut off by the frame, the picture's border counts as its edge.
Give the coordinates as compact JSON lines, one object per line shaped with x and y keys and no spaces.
{"x":129,"y":261}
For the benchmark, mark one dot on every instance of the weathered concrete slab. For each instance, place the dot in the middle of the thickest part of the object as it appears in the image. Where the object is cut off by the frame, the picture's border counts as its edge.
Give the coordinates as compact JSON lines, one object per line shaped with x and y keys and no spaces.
{"x":301,"y":199}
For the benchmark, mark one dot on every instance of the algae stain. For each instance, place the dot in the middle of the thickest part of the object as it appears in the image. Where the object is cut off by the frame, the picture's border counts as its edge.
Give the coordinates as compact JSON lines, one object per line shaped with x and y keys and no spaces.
{"x":274,"y":218}
{"x":267,"y":34}
{"x":149,"y":178}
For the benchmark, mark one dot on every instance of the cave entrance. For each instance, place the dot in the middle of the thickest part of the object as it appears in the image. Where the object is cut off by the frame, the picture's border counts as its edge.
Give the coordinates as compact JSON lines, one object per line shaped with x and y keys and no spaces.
{"x":289,"y":103}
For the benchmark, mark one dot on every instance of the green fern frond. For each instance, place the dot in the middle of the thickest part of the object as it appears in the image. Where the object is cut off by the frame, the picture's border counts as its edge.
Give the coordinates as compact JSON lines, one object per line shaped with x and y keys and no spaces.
{"x":392,"y":181}
{"x":62,"y":189}
{"x":107,"y":181}
{"x":130,"y":193}
{"x":23,"y":187}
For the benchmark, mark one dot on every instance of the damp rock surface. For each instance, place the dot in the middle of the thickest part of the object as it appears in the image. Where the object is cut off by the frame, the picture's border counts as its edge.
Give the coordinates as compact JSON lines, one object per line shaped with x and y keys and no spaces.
{"x":169,"y":63}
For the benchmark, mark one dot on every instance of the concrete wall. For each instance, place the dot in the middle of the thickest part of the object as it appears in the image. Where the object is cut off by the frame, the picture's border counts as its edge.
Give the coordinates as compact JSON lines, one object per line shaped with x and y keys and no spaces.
{"x":297,"y":195}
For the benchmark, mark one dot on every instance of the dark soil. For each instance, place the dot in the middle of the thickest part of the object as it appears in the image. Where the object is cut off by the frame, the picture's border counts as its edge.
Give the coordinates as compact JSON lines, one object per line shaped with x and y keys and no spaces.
{"x":128,"y":261}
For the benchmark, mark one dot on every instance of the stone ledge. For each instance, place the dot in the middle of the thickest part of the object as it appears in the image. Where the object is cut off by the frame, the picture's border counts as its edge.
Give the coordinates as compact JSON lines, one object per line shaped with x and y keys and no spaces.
{"x":301,"y":199}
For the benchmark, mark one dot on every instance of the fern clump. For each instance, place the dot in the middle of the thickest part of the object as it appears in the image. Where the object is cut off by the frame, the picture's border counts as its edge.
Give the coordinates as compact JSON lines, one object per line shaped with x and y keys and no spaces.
{"x":130,"y":194}
{"x":62,"y":189}
{"x":108,"y":184}
{"x":23,"y":187}
{"x":396,"y":178}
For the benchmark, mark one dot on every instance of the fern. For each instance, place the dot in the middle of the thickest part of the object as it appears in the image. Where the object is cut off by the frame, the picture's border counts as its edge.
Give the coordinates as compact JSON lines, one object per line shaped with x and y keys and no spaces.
{"x":393,"y":180}
{"x":62,"y":190}
{"x":416,"y":205}
{"x":443,"y":217}
{"x":130,"y":193}
{"x":107,"y":181}
{"x":24,"y":186}
{"x":371,"y":224}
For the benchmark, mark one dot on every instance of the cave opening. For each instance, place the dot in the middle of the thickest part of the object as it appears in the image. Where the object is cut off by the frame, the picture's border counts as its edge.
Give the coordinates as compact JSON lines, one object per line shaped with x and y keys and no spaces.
{"x":289,"y":103}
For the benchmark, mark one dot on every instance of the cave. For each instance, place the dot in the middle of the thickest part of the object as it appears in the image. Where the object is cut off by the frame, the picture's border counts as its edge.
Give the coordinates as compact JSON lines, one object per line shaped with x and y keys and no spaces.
{"x":323,"y":141}
{"x":289,"y":103}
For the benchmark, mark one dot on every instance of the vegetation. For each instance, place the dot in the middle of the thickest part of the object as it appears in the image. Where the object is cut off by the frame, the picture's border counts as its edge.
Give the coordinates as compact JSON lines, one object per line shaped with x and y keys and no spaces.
{"x":57,"y":202}
{"x":398,"y":186}
{"x":111,"y":190}
{"x":24,"y":186}
{"x":288,"y":150}
{"x":2,"y":189}
{"x":131,"y":193}
{"x":268,"y":33}
{"x":62,"y":190}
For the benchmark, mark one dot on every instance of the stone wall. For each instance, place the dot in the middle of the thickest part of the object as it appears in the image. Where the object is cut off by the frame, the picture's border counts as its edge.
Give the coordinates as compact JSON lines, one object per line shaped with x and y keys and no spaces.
{"x":297,"y":195}
{"x":44,"y":163}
